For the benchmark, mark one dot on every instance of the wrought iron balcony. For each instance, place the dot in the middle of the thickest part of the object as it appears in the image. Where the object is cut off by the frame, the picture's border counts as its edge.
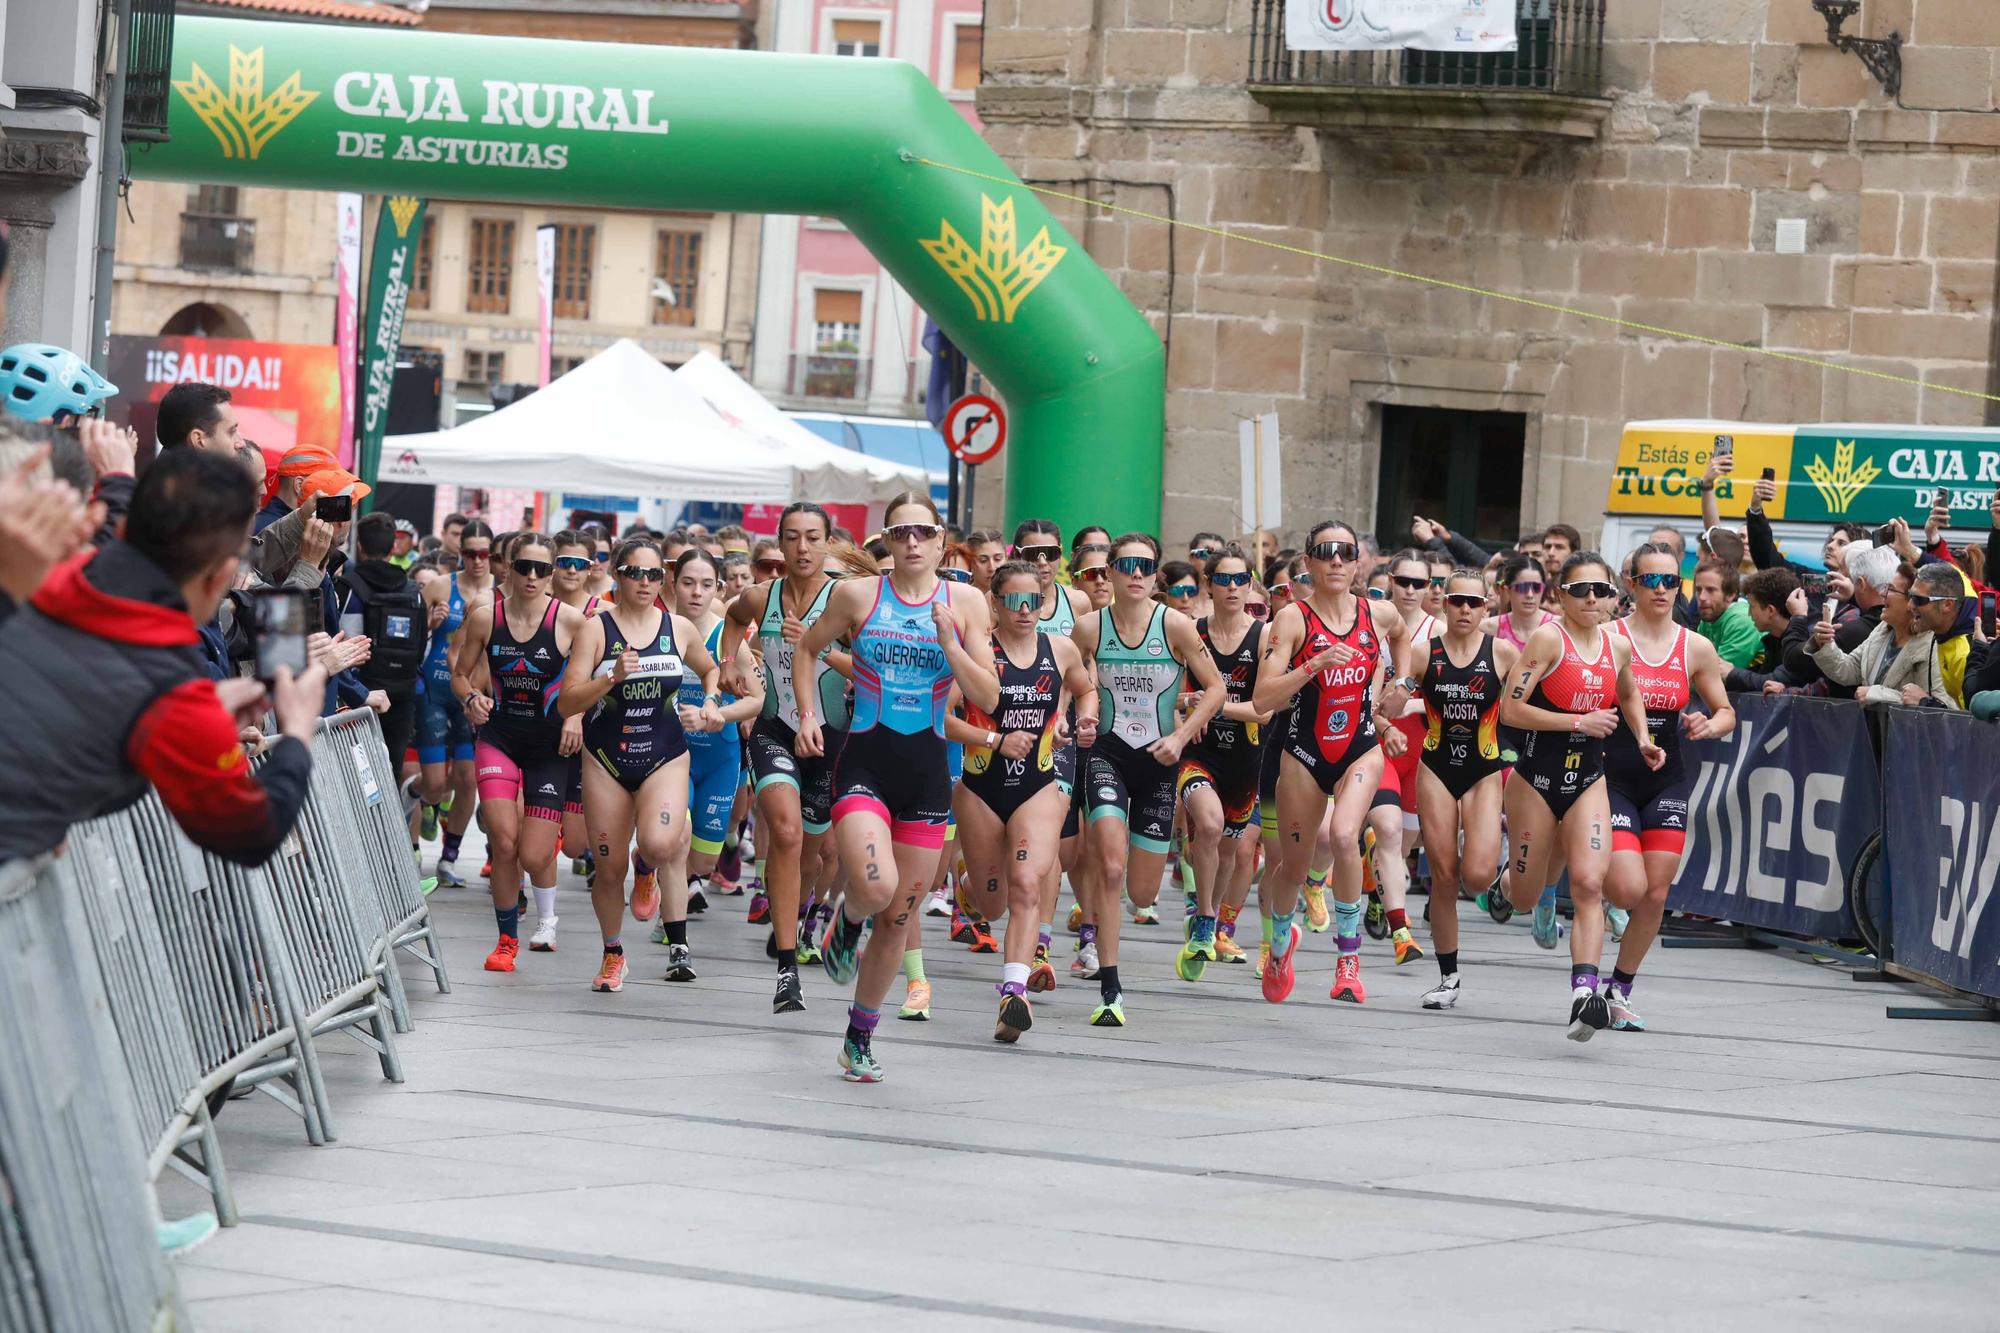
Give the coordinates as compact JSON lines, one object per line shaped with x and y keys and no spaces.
{"x":218,"y":241}
{"x":1552,"y":87}
{"x":149,"y":70}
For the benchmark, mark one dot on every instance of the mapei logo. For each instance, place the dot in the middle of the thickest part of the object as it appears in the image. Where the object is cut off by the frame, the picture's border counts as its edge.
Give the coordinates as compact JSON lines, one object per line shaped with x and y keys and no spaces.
{"x":997,"y":276}
{"x":1840,"y":484}
{"x":245,"y":118}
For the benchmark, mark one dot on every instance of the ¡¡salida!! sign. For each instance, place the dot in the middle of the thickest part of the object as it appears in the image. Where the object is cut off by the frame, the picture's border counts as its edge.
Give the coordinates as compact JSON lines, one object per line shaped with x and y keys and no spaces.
{"x":1862,"y":473}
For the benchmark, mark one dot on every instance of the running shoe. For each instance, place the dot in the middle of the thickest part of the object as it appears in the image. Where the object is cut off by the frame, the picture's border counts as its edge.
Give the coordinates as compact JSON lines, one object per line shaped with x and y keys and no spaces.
{"x":544,"y":938}
{"x":1624,"y":1018}
{"x":1042,"y":976}
{"x":961,"y":926}
{"x":760,"y":908}
{"x":1547,"y":929}
{"x":1016,"y":1017}
{"x":486,"y":871}
{"x":1075,"y":917}
{"x":1444,"y":995}
{"x":1615,"y":921}
{"x":806,"y":951}
{"x":916,"y":1002}
{"x":1084,"y":965}
{"x":1317,"y":919}
{"x":1196,"y":954}
{"x":981,"y":940}
{"x":1109,"y":1013}
{"x":1376,"y":919}
{"x":791,"y":996}
{"x":184,"y":1236}
{"x":1494,"y":903}
{"x":503,"y":955}
{"x":1281,"y":974}
{"x":1588,"y":1013}
{"x":432,"y":814}
{"x":939,"y":903}
{"x":680,"y":963}
{"x":1407,"y":948}
{"x":659,"y":933}
{"x":840,"y":947}
{"x":447,"y":875}
{"x":725,"y":886}
{"x":1229,"y":951}
{"x":425,"y":886}
{"x":645,"y":895}
{"x":1263,"y":960}
{"x":746,"y":846}
{"x":611,"y":976}
{"x":1149,"y":915}
{"x":584,"y":866}
{"x":697,"y":898}
{"x":857,"y":1061}
{"x":1175,"y":870}
{"x":1347,"y":980}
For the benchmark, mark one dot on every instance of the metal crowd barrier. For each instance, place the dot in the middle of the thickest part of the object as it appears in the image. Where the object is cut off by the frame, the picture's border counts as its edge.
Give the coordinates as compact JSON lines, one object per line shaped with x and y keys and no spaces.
{"x":77,"y":1246}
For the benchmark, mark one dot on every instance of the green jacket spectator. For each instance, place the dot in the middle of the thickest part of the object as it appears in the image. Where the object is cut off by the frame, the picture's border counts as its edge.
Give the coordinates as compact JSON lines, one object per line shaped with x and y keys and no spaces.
{"x":1725,"y":616}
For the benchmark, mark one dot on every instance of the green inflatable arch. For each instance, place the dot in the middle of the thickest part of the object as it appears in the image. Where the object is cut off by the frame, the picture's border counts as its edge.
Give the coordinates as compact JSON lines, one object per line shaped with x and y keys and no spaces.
{"x":651,"y":128}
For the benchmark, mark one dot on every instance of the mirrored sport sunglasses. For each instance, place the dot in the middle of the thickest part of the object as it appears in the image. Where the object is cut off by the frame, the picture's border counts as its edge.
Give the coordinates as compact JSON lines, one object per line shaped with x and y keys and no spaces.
{"x":1236,"y":580}
{"x":1033,"y":554}
{"x":603,"y":557}
{"x":912,"y":532}
{"x":1346,"y":552}
{"x":642,"y":573}
{"x":1465,"y":599}
{"x":534,"y":569}
{"x":1199,"y":554}
{"x":1527,"y":589}
{"x":1656,"y":582}
{"x":1183,"y":590}
{"x":1585,"y":589}
{"x":1921,"y":600}
{"x":1377,"y":594}
{"x":1404,"y":581}
{"x":956,"y":575}
{"x":576,"y":564}
{"x":1143,"y":565}
{"x":1092,"y":573}
{"x":771,"y":568}
{"x":1257,"y":610}
{"x":467,"y":553}
{"x":1021,"y":601}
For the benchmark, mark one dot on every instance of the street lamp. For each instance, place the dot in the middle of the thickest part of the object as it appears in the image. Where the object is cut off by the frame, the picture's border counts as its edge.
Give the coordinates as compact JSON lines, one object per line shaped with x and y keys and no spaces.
{"x":1884,"y":58}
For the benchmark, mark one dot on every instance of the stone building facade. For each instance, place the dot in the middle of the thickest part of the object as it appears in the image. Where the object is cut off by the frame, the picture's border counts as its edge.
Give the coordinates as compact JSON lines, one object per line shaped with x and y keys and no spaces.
{"x":1719,"y":134}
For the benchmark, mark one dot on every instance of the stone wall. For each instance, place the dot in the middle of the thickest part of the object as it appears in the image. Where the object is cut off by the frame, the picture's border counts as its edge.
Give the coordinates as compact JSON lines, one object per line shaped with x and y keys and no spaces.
{"x":1724,"y":117}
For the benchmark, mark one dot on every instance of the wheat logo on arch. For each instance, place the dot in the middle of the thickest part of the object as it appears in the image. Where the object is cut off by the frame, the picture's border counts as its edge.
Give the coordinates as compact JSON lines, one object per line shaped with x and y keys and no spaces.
{"x":997,"y":276}
{"x":245,"y":118}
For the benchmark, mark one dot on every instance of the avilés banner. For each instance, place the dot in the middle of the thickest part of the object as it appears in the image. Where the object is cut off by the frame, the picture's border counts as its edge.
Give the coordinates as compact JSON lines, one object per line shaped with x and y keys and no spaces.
{"x":390,"y":270}
{"x":1779,"y":809}
{"x":1376,"y":25}
{"x":1941,"y":816}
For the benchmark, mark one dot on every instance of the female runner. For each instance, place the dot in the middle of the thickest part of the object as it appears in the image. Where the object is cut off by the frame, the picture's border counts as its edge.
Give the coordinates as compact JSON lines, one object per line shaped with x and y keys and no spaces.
{"x":1393,"y":817}
{"x":1141,"y":651}
{"x":1011,"y":802}
{"x":1459,"y":775}
{"x":1090,"y":567}
{"x":626,"y":673}
{"x":517,"y":643}
{"x":1218,"y":777}
{"x":1331,"y":752}
{"x":1649,"y":805}
{"x":914,"y":635}
{"x":1569,"y":675}
{"x":576,"y":565}
{"x":715,"y":758}
{"x":1290,"y":582}
{"x":794,"y":792}
{"x":449,"y":779}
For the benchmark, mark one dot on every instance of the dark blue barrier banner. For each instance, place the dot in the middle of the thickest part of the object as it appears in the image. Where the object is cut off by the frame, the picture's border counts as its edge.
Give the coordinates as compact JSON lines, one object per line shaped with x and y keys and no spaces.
{"x":1779,"y":809}
{"x":1941,"y":773}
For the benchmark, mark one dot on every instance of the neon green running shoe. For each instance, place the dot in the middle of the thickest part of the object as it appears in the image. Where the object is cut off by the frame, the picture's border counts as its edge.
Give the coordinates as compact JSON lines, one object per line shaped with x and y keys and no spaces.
{"x":1109,"y":1013}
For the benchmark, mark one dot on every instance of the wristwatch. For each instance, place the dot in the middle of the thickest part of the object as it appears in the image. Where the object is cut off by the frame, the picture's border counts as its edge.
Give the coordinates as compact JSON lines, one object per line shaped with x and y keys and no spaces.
{"x":992,"y":740}
{"x":1702,"y":485}
{"x":1409,"y":683}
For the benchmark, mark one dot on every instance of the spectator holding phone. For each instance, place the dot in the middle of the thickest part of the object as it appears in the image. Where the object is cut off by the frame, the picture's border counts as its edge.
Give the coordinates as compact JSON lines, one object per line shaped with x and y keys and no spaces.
{"x":106,"y":658}
{"x":1898,"y":661}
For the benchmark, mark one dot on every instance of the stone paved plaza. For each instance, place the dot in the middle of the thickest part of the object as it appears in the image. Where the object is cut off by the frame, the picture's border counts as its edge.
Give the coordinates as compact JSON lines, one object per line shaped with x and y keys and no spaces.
{"x":1774,"y":1154}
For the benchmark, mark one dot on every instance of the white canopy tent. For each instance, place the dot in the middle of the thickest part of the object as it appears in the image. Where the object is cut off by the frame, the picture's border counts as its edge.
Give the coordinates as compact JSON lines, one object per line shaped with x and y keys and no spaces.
{"x":734,"y":397}
{"x":623,"y":424}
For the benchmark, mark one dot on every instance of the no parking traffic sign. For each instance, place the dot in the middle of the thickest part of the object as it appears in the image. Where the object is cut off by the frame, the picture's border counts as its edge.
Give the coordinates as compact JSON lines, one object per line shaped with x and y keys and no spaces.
{"x":975,"y":428}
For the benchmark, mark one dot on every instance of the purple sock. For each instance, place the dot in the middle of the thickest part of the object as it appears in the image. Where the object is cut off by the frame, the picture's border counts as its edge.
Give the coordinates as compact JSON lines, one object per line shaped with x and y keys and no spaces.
{"x":639,"y":863}
{"x":1012,"y":988}
{"x":1348,"y":943}
{"x":1086,"y":934}
{"x":862,"y":1020}
{"x":1584,"y":975}
{"x":1045,"y":936}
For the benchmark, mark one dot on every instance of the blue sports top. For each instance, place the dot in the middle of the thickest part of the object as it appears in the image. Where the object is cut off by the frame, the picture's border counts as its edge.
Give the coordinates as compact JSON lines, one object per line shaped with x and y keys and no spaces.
{"x":691,"y":697}
{"x":902,"y":678}
{"x":437,"y":662}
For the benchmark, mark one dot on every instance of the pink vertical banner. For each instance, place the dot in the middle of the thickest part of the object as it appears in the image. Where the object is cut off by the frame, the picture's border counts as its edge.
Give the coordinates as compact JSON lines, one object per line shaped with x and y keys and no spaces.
{"x":545,"y":285}
{"x":347,"y":316}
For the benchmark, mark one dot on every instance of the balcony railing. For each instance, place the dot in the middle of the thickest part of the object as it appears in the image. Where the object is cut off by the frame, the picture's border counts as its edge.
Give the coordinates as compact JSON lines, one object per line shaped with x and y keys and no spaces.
{"x":1561,"y":52}
{"x":149,"y":70}
{"x":840,"y":375}
{"x":218,"y":241}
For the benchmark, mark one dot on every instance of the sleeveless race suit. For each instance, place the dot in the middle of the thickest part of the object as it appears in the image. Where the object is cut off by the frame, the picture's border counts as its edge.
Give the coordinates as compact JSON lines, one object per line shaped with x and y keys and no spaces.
{"x":1562,"y":765}
{"x":1225,"y":758}
{"x":772,"y":756}
{"x":1138,"y":687}
{"x":1333,"y":716}
{"x":517,"y":748}
{"x":1649,"y":810}
{"x":1031,"y":700}
{"x":1510,"y":737}
{"x":1461,"y":745}
{"x":1399,"y":773}
{"x":893,"y":764}
{"x":716,"y":764}
{"x":442,"y":732}
{"x":635,"y":729}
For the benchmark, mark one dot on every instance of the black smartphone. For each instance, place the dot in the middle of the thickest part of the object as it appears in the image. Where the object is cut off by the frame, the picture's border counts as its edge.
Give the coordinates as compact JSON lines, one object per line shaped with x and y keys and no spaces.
{"x":1769,"y":474}
{"x":1986,"y":615}
{"x":334,"y":508}
{"x":278,"y":624}
{"x":1884,"y":535}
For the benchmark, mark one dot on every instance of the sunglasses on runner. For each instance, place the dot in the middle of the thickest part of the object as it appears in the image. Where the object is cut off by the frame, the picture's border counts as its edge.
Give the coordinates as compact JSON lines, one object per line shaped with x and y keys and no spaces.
{"x":1257,"y":610}
{"x":1136,"y":564}
{"x":1377,"y":594}
{"x":576,"y":564}
{"x":771,"y":567}
{"x":1528,"y":589}
{"x":642,"y":573}
{"x":603,"y":557}
{"x":1304,"y":580}
{"x":1346,"y":552}
{"x":912,"y":532}
{"x":1092,"y":573}
{"x":468,"y":553}
{"x":1184,"y":590}
{"x":534,"y":569}
{"x":1439,"y":580}
{"x":956,"y":575}
{"x":1585,"y":589}
{"x":1236,"y":580}
{"x":1198,"y":554}
{"x":1021,"y":601}
{"x":1464,"y":599}
{"x":1034,"y":554}
{"x":1401,"y":581}
{"x":1656,"y":582}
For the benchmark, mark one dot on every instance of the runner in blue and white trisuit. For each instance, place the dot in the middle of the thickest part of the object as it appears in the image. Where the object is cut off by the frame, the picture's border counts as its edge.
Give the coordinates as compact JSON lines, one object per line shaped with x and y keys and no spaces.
{"x":449,"y":780}
{"x":914,"y":635}
{"x":716,"y":762}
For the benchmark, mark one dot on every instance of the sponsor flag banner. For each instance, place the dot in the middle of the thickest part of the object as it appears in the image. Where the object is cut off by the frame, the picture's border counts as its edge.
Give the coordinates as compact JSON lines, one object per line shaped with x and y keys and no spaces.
{"x":1778,"y":810}
{"x":1377,"y":25}
{"x":346,"y":314}
{"x":391,"y":268}
{"x":545,"y":301}
{"x":1941,"y":846}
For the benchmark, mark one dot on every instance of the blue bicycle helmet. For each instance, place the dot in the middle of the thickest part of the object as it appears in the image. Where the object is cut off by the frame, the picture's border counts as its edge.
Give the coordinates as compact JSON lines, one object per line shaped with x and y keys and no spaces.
{"x":39,"y":381}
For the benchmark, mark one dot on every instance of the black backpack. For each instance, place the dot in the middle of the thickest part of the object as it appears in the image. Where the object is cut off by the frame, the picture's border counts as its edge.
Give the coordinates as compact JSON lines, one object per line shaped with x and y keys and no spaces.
{"x":398,"y":624}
